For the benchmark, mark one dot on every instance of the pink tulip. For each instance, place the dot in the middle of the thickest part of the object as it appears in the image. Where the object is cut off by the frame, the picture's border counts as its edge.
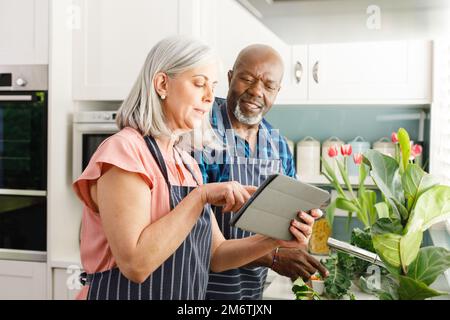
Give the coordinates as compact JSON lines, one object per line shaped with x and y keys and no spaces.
{"x":357,"y":158}
{"x":346,"y":150}
{"x":333,"y":151}
{"x":394,"y":137}
{"x":416,"y":150}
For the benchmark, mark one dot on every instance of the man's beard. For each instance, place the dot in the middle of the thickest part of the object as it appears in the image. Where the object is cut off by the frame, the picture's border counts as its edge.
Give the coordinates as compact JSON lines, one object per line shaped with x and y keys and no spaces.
{"x":242,"y":118}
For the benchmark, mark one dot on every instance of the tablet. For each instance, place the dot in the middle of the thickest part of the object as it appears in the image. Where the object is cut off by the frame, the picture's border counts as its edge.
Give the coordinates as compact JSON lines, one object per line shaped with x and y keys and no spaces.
{"x":275,"y":203}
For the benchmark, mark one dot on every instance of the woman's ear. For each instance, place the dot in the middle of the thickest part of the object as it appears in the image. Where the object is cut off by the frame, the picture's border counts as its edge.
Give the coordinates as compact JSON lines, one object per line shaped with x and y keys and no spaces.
{"x":160,"y":81}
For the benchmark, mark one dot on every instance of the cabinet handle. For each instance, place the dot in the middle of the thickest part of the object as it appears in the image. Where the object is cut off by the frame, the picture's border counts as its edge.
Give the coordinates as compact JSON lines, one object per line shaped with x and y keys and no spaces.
{"x":316,"y":71}
{"x":298,"y":71}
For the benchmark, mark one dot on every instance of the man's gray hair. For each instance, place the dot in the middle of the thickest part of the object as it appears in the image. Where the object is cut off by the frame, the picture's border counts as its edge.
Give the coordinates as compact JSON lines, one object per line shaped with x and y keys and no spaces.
{"x":142,"y":109}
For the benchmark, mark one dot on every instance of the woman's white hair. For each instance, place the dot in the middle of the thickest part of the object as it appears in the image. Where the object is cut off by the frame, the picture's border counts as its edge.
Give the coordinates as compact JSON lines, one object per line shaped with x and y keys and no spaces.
{"x":142,"y":109}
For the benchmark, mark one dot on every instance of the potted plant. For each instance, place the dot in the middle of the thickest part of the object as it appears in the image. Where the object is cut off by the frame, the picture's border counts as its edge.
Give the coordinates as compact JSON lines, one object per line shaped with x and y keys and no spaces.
{"x":412,"y":201}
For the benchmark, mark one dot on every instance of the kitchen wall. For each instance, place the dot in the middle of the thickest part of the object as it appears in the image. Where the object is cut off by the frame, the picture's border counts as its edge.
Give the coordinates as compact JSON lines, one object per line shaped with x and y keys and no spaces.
{"x":345,"y":122}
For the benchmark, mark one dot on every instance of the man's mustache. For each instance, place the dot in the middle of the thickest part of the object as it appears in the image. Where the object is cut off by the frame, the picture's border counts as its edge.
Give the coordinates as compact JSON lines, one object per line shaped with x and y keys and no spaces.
{"x":256,"y":102}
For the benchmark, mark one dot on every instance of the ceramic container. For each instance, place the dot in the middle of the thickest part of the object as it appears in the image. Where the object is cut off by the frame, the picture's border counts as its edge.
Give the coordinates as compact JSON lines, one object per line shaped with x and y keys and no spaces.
{"x":308,"y":157}
{"x":385,"y":146}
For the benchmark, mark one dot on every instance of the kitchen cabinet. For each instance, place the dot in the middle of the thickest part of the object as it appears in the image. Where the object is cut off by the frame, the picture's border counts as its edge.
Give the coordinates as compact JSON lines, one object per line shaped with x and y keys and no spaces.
{"x":114,"y":38}
{"x":20,"y":280}
{"x":374,"y":72}
{"x":24,"y":32}
{"x":64,"y":284}
{"x":107,"y":56}
{"x":294,"y":89}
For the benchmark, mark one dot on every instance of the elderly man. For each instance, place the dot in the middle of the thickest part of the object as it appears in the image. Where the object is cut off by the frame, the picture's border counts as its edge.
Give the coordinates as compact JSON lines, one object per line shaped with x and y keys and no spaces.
{"x":253,"y":151}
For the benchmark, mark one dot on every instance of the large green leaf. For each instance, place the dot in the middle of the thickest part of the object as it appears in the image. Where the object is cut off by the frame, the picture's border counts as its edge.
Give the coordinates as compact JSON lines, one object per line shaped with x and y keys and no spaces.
{"x":429,"y":264}
{"x":415,"y":182}
{"x":432,"y":207}
{"x":409,"y":247}
{"x":385,"y":174}
{"x":387,"y":246}
{"x":411,"y":289}
{"x":405,"y":146}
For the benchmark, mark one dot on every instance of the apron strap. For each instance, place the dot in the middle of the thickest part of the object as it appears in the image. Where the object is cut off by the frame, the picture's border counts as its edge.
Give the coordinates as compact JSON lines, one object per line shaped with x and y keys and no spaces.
{"x":157,"y":155}
{"x":188,"y":167}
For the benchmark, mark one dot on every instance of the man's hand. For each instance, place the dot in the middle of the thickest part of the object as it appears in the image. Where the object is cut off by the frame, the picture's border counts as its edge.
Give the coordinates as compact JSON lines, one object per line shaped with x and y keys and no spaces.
{"x":294,"y":263}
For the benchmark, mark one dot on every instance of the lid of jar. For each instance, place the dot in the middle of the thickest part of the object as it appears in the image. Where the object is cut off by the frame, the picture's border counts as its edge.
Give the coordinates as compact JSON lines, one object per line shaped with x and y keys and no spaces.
{"x":332,"y":140}
{"x":308,"y":142}
{"x":359,"y":142}
{"x":384,"y":142}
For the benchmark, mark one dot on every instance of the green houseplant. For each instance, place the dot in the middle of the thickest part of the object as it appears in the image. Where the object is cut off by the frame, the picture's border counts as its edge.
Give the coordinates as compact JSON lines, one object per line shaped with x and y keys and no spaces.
{"x":412,"y":201}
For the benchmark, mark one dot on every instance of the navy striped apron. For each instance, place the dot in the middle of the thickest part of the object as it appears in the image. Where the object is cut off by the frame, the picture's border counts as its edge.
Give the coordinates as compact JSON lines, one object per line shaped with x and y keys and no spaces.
{"x":183,"y":276}
{"x":242,"y":283}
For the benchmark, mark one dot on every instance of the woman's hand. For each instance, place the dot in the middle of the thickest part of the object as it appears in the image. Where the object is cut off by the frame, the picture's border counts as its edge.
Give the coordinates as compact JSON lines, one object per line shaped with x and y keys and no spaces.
{"x":231,"y":195}
{"x":301,"y":230}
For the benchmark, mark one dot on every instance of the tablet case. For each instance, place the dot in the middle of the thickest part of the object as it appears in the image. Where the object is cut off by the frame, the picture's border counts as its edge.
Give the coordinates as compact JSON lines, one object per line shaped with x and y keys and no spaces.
{"x":275,"y":203}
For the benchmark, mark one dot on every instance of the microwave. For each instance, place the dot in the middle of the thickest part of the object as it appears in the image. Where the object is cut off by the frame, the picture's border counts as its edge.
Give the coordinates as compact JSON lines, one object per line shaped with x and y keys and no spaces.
{"x":90,"y":129}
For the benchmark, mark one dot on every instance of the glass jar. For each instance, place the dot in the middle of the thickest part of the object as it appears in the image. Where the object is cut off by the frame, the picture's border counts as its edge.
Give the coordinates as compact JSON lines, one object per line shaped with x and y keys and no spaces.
{"x":319,"y":237}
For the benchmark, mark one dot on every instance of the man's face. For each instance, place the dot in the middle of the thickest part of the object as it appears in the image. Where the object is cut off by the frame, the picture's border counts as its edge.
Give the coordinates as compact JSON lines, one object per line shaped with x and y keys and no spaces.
{"x":253,"y":87}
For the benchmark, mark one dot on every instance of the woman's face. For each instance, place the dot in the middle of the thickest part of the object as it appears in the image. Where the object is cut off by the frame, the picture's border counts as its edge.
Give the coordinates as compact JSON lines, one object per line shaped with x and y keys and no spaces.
{"x":190,"y":96}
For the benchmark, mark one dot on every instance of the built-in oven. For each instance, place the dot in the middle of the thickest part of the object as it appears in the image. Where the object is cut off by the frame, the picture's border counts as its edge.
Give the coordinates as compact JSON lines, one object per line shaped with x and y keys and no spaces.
{"x":90,"y":128}
{"x":23,"y":162}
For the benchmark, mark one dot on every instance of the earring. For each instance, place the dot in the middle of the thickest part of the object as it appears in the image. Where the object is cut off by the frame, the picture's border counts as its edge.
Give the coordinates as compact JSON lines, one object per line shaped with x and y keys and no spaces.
{"x":163,"y":97}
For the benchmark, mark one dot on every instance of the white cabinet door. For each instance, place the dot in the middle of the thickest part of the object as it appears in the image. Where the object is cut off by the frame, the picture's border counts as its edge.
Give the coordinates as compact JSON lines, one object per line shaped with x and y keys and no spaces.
{"x":24,"y":32}
{"x":113,"y":41}
{"x":392,"y":72}
{"x":295,"y":85}
{"x":229,"y":28}
{"x":64,"y":285}
{"x":21,"y":280}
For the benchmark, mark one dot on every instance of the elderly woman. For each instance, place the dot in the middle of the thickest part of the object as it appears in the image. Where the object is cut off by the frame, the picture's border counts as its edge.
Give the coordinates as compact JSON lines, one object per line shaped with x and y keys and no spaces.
{"x":147,"y":230}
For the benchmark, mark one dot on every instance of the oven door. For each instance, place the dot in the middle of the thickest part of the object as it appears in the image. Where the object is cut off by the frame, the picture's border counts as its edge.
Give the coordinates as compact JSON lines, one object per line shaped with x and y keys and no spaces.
{"x":23,"y":140}
{"x":86,"y":139}
{"x":23,"y":227}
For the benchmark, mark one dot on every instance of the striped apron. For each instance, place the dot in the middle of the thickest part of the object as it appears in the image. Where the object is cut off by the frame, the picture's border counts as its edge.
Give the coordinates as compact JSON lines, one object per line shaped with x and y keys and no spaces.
{"x":183,"y":276}
{"x":242,"y":283}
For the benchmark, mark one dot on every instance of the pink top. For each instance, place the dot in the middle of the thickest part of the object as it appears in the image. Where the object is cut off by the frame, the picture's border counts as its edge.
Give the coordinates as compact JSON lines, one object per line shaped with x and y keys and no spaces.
{"x":127,"y":150}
